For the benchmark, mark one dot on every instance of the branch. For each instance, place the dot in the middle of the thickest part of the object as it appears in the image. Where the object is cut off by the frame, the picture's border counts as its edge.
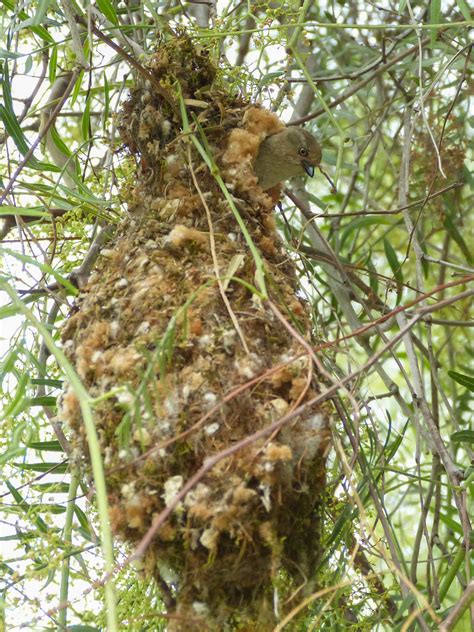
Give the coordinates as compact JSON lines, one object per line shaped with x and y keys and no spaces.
{"x":358,"y":86}
{"x":457,"y":611}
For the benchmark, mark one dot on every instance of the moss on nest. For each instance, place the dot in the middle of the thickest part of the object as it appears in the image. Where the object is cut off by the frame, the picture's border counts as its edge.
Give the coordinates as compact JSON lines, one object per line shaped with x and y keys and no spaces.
{"x":151,"y":328}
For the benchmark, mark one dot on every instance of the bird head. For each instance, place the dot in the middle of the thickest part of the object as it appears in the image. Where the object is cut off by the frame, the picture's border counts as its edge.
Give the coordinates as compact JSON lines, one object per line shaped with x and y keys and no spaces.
{"x":290,"y":152}
{"x":299,"y":147}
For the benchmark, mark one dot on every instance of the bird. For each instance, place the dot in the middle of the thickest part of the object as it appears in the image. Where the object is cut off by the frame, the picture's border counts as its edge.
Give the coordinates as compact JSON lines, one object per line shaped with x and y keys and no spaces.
{"x":288,"y":153}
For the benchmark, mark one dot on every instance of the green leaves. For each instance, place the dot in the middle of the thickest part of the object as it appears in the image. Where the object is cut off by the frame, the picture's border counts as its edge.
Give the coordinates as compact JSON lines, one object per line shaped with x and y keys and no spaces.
{"x":85,"y":121}
{"x":10,"y":121}
{"x":395,"y":266}
{"x":108,"y":10}
{"x":464,"y":380}
{"x":463,"y":436}
{"x":13,"y":128}
{"x":363,"y":222}
{"x":27,"y":22}
{"x":464,"y":9}
{"x":43,"y":467}
{"x":48,"y":446}
{"x":53,"y":64}
{"x":40,"y":13}
{"x":435,"y":18}
{"x":6,"y":54}
{"x":452,"y":226}
{"x":39,"y":211}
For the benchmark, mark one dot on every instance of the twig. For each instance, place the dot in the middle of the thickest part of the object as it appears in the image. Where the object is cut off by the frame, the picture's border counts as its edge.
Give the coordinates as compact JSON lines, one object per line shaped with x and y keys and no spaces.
{"x":457,"y":610}
{"x":76,"y":42}
{"x":137,"y":50}
{"x":215,"y":262}
{"x":43,"y":355}
{"x":421,"y":97}
{"x":164,"y":92}
{"x":10,"y":220}
{"x":458,"y":91}
{"x":358,"y":86}
{"x":447,"y":264}
{"x":396,"y":211}
{"x":80,"y":276}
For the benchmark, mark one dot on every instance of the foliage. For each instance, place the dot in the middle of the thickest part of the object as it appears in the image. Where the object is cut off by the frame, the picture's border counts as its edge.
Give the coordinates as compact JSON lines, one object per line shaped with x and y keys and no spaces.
{"x":385,"y":261}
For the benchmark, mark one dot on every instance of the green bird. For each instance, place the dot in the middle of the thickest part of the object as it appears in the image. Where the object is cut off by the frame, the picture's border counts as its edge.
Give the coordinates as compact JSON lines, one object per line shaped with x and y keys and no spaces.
{"x":291,"y":152}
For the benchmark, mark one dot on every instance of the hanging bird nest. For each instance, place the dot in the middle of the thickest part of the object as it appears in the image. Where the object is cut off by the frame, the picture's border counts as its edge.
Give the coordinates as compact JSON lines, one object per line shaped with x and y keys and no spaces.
{"x":174,"y":335}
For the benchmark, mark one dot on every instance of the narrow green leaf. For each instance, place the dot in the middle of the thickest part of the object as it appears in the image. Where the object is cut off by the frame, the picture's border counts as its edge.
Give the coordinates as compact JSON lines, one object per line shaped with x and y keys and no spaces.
{"x":16,"y":133}
{"x":464,"y":8}
{"x":451,"y":226}
{"x":44,"y":381}
{"x":86,"y":119}
{"x":10,"y":454}
{"x":8,"y":364}
{"x":17,"y":402}
{"x":435,"y":18}
{"x":454,"y":525}
{"x":270,"y":77}
{"x":50,"y":488}
{"x":40,"y":12}
{"x":401,"y":6}
{"x":58,"y":141}
{"x":37,"y":211}
{"x":53,"y":64}
{"x":26,"y":507}
{"x":464,"y":380}
{"x":345,"y":516}
{"x":390,"y":451}
{"x":56,"y":468}
{"x":14,"y":130}
{"x":42,"y":166}
{"x":105,"y":115}
{"x":393,"y":263}
{"x":28,"y":24}
{"x":44,"y":400}
{"x":450,"y":574}
{"x":373,"y":279}
{"x":107,"y":8}
{"x":408,"y":601}
{"x":83,"y":520}
{"x":463,"y":436}
{"x":54,"y":508}
{"x":362,"y":222}
{"x":6,"y":88}
{"x":43,"y":267}
{"x":77,"y":88}
{"x":11,"y":310}
{"x":25,"y":535}
{"x":319,"y":203}
{"x":22,"y":15}
{"x":6,"y":54}
{"x":49,"y":579}
{"x":50,"y":446}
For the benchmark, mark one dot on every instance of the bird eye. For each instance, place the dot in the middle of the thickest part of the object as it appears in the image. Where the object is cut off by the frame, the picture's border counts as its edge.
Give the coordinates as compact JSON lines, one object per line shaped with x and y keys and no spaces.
{"x":303,"y":151}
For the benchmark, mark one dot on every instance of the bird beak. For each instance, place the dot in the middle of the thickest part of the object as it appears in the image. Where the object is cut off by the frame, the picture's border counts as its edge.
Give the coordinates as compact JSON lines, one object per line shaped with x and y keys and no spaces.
{"x":308,"y":167}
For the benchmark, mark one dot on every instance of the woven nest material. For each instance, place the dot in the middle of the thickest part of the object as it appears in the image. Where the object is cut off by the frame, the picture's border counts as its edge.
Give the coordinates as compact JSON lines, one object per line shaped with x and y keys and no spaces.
{"x":152,"y":331}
